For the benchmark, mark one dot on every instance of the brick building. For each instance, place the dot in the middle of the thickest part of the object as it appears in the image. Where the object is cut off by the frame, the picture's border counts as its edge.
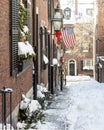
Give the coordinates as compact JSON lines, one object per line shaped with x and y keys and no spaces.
{"x":79,"y":58}
{"x":10,"y":77}
{"x":24,"y":81}
{"x":99,"y":42}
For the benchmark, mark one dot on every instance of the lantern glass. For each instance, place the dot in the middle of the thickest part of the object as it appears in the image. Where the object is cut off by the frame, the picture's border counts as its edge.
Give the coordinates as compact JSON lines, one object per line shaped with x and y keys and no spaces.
{"x":57,"y":25}
{"x":57,"y":21}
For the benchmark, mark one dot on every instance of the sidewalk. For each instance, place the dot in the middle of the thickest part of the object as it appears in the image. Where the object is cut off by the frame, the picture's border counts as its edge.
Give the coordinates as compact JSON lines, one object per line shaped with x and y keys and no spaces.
{"x":55,"y":118}
{"x":80,"y":106}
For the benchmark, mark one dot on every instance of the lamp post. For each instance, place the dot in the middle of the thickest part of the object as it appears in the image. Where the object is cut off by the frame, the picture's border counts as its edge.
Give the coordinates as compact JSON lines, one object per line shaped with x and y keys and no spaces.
{"x":56,"y":22}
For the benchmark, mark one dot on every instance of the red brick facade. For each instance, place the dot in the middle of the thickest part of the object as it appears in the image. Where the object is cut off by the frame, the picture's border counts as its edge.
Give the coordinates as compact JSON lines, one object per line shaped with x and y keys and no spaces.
{"x":22,"y":82}
{"x":77,"y":54}
{"x":100,"y":42}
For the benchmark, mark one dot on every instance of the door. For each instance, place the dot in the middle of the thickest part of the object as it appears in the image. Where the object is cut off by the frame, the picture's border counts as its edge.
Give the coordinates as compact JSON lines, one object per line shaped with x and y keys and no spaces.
{"x":72,"y":67}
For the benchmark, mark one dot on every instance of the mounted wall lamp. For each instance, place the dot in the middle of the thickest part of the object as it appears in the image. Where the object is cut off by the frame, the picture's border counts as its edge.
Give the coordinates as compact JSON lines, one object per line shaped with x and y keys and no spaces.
{"x":67,"y":13}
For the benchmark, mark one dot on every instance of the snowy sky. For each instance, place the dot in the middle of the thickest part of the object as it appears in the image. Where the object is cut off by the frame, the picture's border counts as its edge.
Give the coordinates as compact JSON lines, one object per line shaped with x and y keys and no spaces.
{"x":81,"y":9}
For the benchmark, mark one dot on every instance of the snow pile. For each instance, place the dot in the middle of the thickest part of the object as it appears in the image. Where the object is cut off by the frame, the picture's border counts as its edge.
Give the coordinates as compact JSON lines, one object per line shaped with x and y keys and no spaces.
{"x":41,"y":95}
{"x":79,"y":107}
{"x":41,"y":89}
{"x":86,"y":109}
{"x":77,"y":78}
{"x":45,"y":59}
{"x":25,"y":48}
{"x":30,"y":113}
{"x":7,"y":127}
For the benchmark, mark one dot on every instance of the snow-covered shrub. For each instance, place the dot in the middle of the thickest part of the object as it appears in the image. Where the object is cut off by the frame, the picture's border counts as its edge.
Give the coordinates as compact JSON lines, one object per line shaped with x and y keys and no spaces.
{"x":41,"y":90}
{"x":30,"y":113}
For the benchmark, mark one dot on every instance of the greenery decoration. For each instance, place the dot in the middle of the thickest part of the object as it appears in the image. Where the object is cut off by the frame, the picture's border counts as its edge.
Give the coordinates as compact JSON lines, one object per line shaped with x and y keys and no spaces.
{"x":22,"y":19}
{"x":23,"y":29}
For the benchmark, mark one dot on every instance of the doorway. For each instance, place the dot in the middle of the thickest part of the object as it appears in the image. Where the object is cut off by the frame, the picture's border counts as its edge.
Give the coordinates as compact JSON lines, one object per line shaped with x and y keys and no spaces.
{"x":72,"y":67}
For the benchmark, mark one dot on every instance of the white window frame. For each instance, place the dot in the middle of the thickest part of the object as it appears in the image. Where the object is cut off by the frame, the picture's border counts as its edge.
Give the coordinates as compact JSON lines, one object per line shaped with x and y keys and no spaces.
{"x":88,"y":64}
{"x":89,"y":11}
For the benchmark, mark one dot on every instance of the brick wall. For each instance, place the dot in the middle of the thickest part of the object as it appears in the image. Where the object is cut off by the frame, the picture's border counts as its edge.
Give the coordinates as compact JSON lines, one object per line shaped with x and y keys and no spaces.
{"x":100,"y":31}
{"x":21,"y":83}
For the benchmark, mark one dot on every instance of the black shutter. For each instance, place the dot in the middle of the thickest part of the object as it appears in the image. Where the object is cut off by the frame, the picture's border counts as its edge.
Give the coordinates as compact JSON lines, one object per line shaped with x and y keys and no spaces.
{"x":49,"y":49}
{"x":14,"y":36}
{"x":54,"y":49}
{"x":49,"y":9}
{"x":81,"y":64}
{"x":46,"y":42}
{"x":49,"y":65}
{"x":37,"y":46}
{"x":41,"y":47}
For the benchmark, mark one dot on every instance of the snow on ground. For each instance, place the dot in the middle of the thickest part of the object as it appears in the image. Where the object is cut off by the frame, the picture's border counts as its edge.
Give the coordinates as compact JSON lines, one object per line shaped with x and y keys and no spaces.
{"x":80,"y":106}
{"x":77,"y":78}
{"x":7,"y":127}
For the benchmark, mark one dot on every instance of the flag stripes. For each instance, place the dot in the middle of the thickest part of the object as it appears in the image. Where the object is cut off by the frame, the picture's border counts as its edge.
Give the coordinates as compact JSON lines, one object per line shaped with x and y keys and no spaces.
{"x":68,"y":37}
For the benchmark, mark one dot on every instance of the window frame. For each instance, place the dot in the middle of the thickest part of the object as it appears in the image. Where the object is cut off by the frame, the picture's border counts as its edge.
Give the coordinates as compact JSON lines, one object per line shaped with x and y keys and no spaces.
{"x":88,"y":64}
{"x":89,"y":11}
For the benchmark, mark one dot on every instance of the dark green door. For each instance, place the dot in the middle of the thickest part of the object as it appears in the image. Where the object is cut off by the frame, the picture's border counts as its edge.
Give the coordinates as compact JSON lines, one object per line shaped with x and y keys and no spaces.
{"x":72,"y":68}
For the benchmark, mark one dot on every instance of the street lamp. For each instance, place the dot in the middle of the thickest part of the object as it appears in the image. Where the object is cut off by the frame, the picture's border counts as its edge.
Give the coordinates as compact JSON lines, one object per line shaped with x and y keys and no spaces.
{"x":57,"y":19}
{"x":56,"y":23}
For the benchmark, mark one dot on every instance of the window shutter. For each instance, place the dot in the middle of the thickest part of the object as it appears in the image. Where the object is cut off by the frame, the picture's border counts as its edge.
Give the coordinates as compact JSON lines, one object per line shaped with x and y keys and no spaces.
{"x":54,"y":49}
{"x":49,"y":9}
{"x":14,"y":36}
{"x":41,"y":47}
{"x":81,"y":64}
{"x":49,"y":55}
{"x":46,"y":42}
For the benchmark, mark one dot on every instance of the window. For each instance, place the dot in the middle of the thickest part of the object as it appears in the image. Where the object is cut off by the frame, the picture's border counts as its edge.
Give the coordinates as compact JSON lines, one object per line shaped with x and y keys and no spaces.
{"x":15,"y":32}
{"x":89,"y":12}
{"x":85,"y":47}
{"x":87,"y":64}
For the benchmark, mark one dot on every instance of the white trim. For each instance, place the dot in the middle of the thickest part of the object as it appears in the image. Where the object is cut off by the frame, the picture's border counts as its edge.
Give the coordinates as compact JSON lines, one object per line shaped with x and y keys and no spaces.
{"x":37,"y":10}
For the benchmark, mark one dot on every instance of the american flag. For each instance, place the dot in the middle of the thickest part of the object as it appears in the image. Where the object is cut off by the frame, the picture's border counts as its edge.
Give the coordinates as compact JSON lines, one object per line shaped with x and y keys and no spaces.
{"x":68,"y":37}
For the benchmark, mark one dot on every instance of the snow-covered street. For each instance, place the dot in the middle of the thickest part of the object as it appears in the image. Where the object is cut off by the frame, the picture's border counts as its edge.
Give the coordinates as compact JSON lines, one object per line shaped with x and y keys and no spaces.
{"x":80,"y":106}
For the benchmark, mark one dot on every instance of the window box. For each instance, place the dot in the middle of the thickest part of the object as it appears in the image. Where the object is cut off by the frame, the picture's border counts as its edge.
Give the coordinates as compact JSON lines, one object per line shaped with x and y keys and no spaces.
{"x":23,"y":64}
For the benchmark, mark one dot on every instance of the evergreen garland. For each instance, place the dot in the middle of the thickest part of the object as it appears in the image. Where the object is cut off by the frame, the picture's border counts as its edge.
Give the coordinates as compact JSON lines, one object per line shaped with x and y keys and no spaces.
{"x":22,"y":19}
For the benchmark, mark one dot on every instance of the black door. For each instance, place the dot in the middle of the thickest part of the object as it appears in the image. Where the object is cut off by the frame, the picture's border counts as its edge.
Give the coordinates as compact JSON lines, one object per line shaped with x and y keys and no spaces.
{"x":72,"y":68}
